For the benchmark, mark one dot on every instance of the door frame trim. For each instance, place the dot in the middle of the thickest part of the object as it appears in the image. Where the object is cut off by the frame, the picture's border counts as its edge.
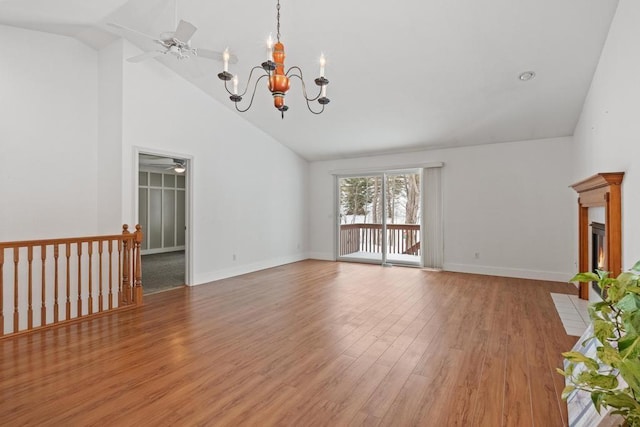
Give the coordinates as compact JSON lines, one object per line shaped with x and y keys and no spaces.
{"x":189,"y":214}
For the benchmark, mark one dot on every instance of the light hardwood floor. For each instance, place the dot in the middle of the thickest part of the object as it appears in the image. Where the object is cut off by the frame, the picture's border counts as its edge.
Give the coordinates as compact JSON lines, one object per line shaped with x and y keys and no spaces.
{"x":310,"y":343}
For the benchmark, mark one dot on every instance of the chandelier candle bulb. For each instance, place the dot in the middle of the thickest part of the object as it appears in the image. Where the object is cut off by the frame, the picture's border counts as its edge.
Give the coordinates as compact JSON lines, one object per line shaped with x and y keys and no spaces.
{"x":323,"y":92}
{"x":269,"y":47}
{"x":235,"y":84}
{"x":323,"y":62}
{"x":225,"y":59}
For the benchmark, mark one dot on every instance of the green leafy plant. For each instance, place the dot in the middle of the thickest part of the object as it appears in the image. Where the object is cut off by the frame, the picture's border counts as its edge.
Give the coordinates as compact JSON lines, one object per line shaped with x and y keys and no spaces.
{"x":613,"y":377}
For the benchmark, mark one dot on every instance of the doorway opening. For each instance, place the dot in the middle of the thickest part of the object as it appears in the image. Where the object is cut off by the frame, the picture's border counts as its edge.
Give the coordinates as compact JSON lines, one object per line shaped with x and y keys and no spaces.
{"x":163,"y":214}
{"x":380,"y":218}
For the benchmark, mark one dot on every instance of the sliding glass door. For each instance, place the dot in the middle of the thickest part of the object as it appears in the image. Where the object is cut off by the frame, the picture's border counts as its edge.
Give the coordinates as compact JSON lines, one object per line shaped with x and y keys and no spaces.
{"x":360,"y":233}
{"x":380,"y":218}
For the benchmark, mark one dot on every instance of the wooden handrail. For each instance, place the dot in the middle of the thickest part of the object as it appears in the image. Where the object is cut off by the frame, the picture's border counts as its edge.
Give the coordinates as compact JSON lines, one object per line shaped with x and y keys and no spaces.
{"x":81,"y":277}
{"x":61,"y":241}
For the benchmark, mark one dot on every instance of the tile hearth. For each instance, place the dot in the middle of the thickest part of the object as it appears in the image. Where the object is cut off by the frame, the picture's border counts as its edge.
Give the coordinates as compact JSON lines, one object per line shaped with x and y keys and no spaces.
{"x":573,"y":313}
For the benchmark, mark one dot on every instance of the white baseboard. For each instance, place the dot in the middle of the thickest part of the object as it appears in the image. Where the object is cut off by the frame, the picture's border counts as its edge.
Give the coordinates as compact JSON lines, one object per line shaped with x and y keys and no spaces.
{"x":552,"y":276}
{"x":225,"y":273}
{"x":322,"y":256}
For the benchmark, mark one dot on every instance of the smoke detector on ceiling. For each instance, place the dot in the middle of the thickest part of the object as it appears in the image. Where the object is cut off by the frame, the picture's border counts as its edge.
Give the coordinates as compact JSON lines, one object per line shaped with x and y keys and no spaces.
{"x":527,"y":75}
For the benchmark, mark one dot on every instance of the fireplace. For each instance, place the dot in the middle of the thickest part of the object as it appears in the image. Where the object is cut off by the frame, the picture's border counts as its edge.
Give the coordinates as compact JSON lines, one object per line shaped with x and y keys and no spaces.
{"x":600,"y":190}
{"x":598,"y":260}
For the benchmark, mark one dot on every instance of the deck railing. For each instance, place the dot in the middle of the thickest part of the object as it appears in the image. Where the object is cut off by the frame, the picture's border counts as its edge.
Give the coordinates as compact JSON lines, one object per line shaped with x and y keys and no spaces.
{"x":401,"y":238}
{"x":47,"y":282}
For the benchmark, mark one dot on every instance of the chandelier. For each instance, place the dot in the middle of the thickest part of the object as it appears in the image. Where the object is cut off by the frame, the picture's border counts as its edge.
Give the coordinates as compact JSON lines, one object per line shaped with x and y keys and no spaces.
{"x":279,"y":81}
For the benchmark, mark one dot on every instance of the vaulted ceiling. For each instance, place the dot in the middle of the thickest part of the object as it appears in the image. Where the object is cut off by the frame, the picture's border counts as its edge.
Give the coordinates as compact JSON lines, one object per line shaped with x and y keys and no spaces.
{"x":404,"y":74}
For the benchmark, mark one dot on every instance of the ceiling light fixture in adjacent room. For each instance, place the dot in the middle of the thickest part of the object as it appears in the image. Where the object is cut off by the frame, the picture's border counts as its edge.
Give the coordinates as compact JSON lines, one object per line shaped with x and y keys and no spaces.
{"x":527,"y":75}
{"x":179,"y":167}
{"x":279,"y":80}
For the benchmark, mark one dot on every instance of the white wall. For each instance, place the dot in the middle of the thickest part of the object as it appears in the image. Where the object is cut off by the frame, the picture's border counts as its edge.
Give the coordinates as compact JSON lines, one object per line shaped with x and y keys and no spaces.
{"x":608,"y":134}
{"x":48,"y":128}
{"x":509,"y":202}
{"x":249,"y":191}
{"x":109,"y":168}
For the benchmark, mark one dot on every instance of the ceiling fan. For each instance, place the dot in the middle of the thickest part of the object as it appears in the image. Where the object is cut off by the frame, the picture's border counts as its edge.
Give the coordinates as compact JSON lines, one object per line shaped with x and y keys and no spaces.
{"x":178,"y":165}
{"x":176,"y":43}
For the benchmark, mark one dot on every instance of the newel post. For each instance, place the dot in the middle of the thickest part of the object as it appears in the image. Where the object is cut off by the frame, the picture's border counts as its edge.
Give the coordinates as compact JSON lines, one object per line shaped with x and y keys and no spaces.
{"x":126,"y":285}
{"x":137,"y":290}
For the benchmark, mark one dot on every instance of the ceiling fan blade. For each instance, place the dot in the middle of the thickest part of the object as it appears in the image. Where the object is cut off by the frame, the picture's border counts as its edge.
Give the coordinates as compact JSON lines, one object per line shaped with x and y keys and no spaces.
{"x":157,"y":161}
{"x":165,"y":166}
{"x":149,"y":157}
{"x":132,"y":30}
{"x":145,"y":56}
{"x":159,"y":165}
{"x":185,"y":31}
{"x":217,"y":56}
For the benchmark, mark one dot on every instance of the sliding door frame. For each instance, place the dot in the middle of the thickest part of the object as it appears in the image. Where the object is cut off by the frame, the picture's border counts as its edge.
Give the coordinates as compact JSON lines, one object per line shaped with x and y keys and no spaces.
{"x":382,"y":173}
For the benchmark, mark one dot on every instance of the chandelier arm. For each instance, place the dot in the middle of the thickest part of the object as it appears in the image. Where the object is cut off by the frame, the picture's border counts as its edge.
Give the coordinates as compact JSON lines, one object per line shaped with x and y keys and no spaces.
{"x":255,"y":87}
{"x":308,"y":101}
{"x":257,"y":67}
{"x":304,"y":86}
{"x":227,"y":89}
{"x":248,"y":81}
{"x":315,"y":112}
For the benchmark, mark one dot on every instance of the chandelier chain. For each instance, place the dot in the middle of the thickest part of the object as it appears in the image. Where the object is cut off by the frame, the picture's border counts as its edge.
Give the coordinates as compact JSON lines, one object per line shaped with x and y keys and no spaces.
{"x":278,"y":20}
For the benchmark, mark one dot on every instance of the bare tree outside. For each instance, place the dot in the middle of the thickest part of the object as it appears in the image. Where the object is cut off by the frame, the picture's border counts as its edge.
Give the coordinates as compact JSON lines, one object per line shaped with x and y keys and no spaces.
{"x":412,"y":190}
{"x":376,"y":207}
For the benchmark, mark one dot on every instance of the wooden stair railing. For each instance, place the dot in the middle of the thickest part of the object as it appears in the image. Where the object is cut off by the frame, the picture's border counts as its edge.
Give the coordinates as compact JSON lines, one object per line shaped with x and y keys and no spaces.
{"x":80,"y":269}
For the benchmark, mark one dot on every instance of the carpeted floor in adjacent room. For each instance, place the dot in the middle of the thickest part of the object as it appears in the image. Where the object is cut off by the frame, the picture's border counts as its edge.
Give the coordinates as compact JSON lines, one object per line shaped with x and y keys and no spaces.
{"x":163,"y":271}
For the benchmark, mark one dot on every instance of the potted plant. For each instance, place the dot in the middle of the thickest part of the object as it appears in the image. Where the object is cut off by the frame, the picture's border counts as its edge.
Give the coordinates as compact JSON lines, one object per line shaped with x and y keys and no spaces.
{"x":612,"y":376}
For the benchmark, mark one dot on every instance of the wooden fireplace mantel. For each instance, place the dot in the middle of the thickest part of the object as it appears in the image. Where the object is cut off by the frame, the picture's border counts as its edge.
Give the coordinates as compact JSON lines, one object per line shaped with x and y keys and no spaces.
{"x":600,"y":190}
